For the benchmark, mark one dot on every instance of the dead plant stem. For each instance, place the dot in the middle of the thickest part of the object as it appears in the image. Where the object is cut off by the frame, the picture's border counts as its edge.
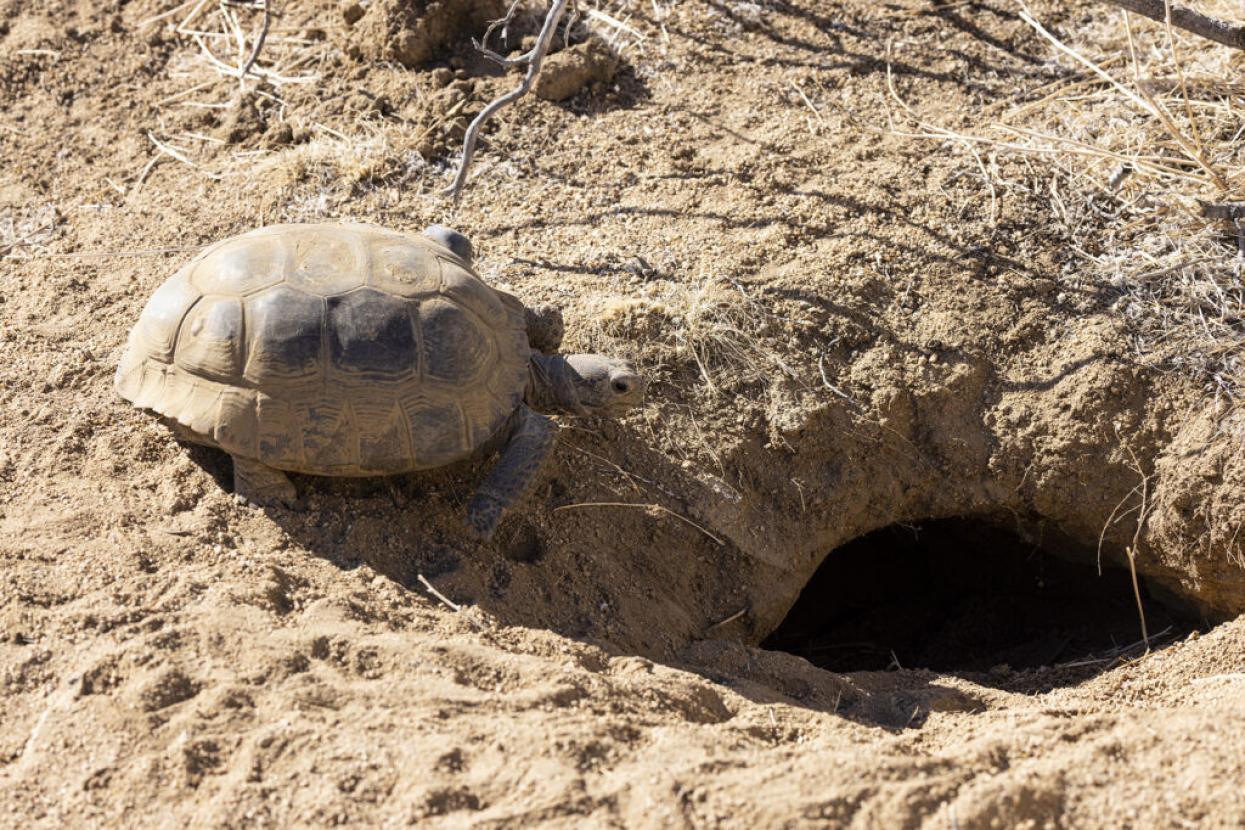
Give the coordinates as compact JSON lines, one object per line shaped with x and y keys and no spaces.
{"x":1146,"y":103}
{"x":533,"y":58}
{"x":1164,"y":11}
{"x":452,"y":605}
{"x":649,"y":508}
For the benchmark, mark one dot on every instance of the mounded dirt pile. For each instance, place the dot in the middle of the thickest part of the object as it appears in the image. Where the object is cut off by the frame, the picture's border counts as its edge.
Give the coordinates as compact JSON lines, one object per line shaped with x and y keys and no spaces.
{"x":412,"y":32}
{"x":845,"y":330}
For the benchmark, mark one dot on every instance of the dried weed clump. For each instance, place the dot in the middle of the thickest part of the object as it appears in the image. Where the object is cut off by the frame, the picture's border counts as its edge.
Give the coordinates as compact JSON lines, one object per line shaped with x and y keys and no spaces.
{"x":709,"y":322}
{"x":264,"y":84}
{"x":26,"y":232}
{"x":1142,"y":127}
{"x":253,"y":41}
{"x":236,"y":65}
{"x":317,"y":180}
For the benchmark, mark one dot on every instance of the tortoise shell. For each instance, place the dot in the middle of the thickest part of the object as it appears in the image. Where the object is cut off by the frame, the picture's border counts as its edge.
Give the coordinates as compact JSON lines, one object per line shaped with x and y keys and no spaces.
{"x":330,"y":349}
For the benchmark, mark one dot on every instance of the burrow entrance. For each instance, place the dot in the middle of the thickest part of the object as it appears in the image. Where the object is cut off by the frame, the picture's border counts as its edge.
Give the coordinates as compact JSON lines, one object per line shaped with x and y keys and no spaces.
{"x":966,"y":595}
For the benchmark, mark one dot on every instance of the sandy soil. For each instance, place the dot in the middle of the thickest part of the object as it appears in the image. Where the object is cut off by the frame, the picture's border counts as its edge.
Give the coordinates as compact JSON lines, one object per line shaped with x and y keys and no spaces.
{"x":846,"y":329}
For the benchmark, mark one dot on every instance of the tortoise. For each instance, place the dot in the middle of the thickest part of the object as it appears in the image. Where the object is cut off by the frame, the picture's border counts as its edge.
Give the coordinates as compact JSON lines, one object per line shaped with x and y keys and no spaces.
{"x":352,"y":350}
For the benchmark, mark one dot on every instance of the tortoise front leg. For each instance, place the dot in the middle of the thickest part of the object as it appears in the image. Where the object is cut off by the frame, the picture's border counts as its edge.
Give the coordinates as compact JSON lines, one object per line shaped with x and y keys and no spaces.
{"x":262,"y":485}
{"x":531,"y":438}
{"x":544,"y":327}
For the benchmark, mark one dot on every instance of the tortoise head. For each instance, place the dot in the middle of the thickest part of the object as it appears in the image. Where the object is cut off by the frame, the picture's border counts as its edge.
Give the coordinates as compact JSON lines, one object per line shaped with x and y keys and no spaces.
{"x":453,"y":241}
{"x":584,"y":384}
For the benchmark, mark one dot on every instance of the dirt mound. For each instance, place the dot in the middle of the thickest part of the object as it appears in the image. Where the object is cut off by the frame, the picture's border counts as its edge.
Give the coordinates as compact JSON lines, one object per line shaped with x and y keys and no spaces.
{"x":413,"y":32}
{"x":569,"y":71}
{"x":847,"y":327}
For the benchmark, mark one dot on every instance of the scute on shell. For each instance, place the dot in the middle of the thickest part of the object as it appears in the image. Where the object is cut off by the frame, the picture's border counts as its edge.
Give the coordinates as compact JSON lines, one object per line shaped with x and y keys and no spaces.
{"x":325,"y":264}
{"x":457,"y":345}
{"x":372,"y":336}
{"x":241,"y":266}
{"x":157,"y":328}
{"x":284,"y":337}
{"x":209,"y":343}
{"x":403,"y":269}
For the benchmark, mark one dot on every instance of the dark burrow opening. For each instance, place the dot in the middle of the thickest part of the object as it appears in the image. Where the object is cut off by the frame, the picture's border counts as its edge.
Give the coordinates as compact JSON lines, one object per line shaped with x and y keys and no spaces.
{"x":967,"y":595}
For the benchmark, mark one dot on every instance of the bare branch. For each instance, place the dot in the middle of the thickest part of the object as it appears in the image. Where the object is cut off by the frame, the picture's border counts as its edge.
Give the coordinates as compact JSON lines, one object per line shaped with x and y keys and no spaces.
{"x":500,"y":59}
{"x":503,"y":22}
{"x":1220,"y":31}
{"x":533,"y":59}
{"x":259,"y":43}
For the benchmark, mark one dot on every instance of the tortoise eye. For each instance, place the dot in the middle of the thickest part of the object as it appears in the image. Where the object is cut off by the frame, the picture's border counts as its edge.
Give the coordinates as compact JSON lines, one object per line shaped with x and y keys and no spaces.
{"x":621,"y":386}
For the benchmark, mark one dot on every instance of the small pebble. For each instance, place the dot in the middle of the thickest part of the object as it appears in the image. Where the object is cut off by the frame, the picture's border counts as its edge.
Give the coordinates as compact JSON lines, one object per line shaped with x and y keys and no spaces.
{"x":351,"y":12}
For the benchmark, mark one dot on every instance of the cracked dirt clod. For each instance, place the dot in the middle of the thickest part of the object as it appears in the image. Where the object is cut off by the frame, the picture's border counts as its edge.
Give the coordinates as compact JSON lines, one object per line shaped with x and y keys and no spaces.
{"x":413,"y":32}
{"x":166,"y":689}
{"x":567,"y":72}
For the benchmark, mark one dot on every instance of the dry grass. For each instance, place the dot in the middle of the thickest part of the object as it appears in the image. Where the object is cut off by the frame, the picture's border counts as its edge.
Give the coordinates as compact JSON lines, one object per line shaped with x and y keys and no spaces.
{"x":614,"y":22}
{"x":26,"y":232}
{"x":278,"y":55}
{"x":707,"y":321}
{"x":319,"y":179}
{"x":246,"y":42}
{"x":231,"y":49}
{"x":1143,"y":124}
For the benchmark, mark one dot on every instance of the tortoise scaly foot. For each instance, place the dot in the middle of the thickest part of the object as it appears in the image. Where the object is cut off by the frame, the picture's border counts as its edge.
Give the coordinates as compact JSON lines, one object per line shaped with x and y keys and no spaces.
{"x":483,"y":515}
{"x":512,"y":478}
{"x":262,"y":485}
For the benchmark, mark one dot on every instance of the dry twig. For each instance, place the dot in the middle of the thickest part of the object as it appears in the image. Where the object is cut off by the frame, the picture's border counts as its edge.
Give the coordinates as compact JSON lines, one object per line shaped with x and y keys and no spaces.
{"x":1131,"y":550}
{"x":452,"y":605}
{"x":259,"y":43}
{"x":728,"y":620}
{"x":1117,"y":654}
{"x":648,"y":508}
{"x":173,"y":153}
{"x":1164,"y":11}
{"x":533,"y":59}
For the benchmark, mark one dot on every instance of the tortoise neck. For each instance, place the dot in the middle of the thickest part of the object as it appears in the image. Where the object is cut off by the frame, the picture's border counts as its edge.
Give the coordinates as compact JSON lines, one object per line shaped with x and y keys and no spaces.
{"x":551,"y":385}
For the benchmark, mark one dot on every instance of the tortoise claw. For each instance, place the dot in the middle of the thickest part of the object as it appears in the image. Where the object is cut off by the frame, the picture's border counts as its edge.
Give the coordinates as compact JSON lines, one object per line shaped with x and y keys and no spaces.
{"x":261,"y":485}
{"x":483,"y":516}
